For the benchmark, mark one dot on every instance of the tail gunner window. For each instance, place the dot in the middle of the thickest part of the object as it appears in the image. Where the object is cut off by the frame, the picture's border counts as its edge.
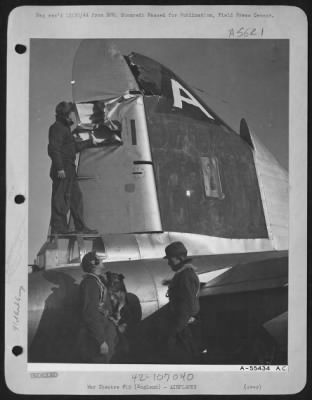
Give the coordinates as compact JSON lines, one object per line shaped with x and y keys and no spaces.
{"x":97,"y":117}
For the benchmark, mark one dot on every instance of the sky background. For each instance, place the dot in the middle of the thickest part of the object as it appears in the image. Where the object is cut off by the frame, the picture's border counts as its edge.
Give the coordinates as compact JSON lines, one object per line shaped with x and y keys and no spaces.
{"x":236,"y":78}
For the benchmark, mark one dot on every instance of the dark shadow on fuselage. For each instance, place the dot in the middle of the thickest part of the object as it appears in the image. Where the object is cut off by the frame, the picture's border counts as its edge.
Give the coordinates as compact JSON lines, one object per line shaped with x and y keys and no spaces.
{"x":55,"y":339}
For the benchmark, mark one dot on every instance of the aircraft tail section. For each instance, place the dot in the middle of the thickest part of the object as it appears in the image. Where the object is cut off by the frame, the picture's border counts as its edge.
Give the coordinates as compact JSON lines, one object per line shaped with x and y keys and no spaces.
{"x":178,"y":167}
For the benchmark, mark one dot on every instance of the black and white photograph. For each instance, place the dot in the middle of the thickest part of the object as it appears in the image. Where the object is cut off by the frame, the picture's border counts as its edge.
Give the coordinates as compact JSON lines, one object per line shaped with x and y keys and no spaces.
{"x":159,"y":173}
{"x":157,"y":207}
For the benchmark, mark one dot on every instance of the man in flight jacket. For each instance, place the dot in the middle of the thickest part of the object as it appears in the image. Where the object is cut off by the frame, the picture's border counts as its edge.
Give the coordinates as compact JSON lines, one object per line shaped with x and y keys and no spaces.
{"x":183,"y":294}
{"x":97,"y":337}
{"x":66,"y":194}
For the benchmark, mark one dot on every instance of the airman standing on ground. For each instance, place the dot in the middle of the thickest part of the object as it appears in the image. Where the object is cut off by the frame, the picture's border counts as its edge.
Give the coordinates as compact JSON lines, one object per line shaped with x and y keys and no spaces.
{"x":98,"y":335}
{"x":183,"y":294}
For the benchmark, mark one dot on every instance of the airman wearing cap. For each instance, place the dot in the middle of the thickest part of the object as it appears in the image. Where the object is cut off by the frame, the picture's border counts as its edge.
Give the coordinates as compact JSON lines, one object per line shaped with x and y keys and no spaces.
{"x":98,"y":335}
{"x":183,"y":294}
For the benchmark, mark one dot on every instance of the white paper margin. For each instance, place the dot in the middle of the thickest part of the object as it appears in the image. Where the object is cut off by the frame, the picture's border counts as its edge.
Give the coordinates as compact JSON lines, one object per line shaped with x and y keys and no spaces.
{"x":288,"y":22}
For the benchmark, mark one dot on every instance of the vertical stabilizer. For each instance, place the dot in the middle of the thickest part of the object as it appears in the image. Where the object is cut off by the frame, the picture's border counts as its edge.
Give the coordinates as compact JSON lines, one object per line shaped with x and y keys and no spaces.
{"x":117,"y":181}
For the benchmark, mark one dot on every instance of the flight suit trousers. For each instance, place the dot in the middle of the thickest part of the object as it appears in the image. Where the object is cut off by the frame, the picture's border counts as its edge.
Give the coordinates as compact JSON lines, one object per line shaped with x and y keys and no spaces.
{"x":172,"y":347}
{"x":88,"y":348}
{"x":66,"y":195}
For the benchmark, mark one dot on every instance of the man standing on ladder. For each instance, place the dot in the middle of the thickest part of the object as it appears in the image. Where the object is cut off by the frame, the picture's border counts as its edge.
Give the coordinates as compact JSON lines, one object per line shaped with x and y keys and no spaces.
{"x":66,"y":194}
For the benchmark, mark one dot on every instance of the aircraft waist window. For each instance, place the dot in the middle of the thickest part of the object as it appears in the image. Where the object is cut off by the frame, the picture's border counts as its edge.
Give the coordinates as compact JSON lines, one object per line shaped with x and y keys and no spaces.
{"x":211,"y":175}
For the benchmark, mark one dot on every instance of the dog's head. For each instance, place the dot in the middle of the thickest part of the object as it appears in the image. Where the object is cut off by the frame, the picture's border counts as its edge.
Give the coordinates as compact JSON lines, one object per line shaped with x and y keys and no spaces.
{"x":115,"y":282}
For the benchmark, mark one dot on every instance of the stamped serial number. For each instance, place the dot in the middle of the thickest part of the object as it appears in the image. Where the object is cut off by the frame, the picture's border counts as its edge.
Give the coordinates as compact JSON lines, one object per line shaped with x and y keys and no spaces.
{"x":272,"y":368}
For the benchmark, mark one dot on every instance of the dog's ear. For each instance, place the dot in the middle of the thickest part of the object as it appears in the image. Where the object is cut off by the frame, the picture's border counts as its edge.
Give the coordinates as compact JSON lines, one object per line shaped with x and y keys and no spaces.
{"x":121,"y":277}
{"x":108,"y":276}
